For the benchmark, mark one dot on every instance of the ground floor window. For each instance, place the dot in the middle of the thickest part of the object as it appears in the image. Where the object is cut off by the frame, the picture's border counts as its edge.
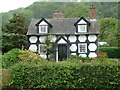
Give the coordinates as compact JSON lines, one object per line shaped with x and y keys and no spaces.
{"x":41,"y":49}
{"x":82,"y":48}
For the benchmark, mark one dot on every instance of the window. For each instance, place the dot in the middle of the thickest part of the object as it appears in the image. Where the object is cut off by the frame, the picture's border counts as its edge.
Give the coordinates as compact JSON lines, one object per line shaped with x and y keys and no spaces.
{"x":82,"y":28}
{"x":43,"y":29}
{"x":82,"y":48}
{"x":41,"y":49}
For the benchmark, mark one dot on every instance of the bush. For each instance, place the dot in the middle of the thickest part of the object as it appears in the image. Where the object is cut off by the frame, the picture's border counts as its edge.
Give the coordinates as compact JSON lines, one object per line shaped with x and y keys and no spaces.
{"x":10,"y":58}
{"x":30,"y":57}
{"x":67,"y":76}
{"x":112,"y":52}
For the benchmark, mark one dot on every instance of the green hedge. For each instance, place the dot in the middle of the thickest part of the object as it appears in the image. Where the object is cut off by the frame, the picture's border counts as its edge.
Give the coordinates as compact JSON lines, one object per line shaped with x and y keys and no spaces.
{"x":67,"y":76}
{"x":112,"y":52}
{"x":10,"y":58}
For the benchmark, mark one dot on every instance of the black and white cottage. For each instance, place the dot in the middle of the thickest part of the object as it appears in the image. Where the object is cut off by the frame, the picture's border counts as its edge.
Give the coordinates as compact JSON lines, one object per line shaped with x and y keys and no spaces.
{"x":72,"y":36}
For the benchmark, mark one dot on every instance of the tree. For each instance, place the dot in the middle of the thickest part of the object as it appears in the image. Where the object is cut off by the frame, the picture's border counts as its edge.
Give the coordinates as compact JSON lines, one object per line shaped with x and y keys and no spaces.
{"x":14,"y":33}
{"x":16,"y":25}
{"x":12,"y":40}
{"x":109,"y":31}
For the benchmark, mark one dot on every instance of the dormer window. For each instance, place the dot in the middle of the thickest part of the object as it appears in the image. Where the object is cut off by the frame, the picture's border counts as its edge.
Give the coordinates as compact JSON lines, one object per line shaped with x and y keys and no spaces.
{"x":43,"y":29}
{"x":82,"y":28}
{"x":43,"y":26}
{"x":82,"y":25}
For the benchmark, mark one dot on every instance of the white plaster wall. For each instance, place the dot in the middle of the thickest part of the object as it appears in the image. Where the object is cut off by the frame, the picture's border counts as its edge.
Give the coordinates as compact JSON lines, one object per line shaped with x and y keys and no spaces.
{"x":53,"y":38}
{"x":65,"y":37}
{"x":72,"y":38}
{"x":82,"y":38}
{"x":82,"y":22}
{"x":43,"y":23}
{"x":83,"y":55}
{"x":44,"y":56}
{"x":33,"y":47}
{"x":73,"y":47}
{"x":62,"y":41}
{"x":33,"y":39}
{"x":42,"y":39}
{"x":73,"y":53}
{"x":92,"y":47}
{"x":92,"y":38}
{"x":92,"y":54}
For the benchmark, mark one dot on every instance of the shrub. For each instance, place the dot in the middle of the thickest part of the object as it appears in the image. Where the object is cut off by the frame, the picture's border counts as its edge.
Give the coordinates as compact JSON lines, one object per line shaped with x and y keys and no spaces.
{"x":112,"y":52}
{"x":67,"y":76}
{"x":30,"y":57}
{"x":10,"y":58}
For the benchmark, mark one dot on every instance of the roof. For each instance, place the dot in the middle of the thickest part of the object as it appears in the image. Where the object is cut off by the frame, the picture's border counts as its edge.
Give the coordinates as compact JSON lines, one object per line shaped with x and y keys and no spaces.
{"x":63,"y":26}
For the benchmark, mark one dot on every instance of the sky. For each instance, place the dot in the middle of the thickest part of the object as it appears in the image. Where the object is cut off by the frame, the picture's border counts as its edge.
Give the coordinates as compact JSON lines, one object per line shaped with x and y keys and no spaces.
{"x":7,"y":5}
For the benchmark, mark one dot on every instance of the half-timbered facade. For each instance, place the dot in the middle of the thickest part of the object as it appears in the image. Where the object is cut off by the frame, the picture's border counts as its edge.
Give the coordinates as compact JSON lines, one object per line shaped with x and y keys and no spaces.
{"x":72,"y":36}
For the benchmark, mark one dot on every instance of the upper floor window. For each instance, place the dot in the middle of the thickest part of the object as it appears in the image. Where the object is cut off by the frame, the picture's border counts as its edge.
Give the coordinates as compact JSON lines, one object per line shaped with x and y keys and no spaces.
{"x":82,"y":28}
{"x":82,"y":25}
{"x":43,"y":28}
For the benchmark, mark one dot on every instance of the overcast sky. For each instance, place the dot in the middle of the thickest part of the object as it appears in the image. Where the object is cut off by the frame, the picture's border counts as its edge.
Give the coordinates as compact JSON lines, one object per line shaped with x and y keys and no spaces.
{"x":7,"y":5}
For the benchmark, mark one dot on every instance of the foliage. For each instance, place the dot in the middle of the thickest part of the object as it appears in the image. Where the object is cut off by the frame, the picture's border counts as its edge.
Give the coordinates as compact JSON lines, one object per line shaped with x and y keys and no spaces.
{"x":112,"y":52}
{"x":43,"y":9}
{"x":16,"y":25}
{"x":67,"y":76}
{"x":10,"y":58}
{"x":49,"y":46}
{"x":12,"y":40}
{"x":5,"y":77}
{"x":30,"y":57}
{"x":109,"y":31}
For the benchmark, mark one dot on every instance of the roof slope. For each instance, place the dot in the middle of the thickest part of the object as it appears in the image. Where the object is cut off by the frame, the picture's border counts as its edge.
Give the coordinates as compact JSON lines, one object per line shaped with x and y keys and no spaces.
{"x":63,"y":26}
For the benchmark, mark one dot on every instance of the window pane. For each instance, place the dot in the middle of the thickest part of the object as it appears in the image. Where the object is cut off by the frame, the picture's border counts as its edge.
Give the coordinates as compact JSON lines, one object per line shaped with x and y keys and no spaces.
{"x":82,"y":28}
{"x":82,"y":48}
{"x":43,"y":29}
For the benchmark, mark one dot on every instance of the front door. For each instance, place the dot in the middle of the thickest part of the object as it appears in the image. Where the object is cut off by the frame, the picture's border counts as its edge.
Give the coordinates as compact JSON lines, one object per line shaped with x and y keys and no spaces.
{"x":62,"y":52}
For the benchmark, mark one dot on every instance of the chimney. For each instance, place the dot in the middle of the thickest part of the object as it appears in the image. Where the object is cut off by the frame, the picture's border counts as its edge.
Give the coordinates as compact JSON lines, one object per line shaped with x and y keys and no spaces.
{"x":58,"y":15}
{"x":92,"y":12}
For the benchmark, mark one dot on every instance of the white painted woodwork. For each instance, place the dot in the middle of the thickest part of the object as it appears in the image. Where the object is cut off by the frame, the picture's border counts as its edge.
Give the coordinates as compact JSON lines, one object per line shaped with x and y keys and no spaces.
{"x":73,"y":47}
{"x":42,"y":39}
{"x":82,"y":38}
{"x":73,"y":53}
{"x":92,"y":47}
{"x":92,"y":38}
{"x":92,"y":54}
{"x":82,"y":22}
{"x":61,"y":41}
{"x":72,"y":38}
{"x":83,"y":55}
{"x":33,"y":47}
{"x":57,"y":54}
{"x":43,"y":23}
{"x":33,"y":39}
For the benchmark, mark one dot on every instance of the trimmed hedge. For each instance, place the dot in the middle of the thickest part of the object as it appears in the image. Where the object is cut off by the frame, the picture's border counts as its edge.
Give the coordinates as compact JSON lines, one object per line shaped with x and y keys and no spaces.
{"x":69,"y":76}
{"x":112,"y":52}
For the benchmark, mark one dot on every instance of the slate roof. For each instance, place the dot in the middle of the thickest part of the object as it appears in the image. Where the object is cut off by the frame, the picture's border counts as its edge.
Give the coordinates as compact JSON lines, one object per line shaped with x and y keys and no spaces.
{"x":63,"y":26}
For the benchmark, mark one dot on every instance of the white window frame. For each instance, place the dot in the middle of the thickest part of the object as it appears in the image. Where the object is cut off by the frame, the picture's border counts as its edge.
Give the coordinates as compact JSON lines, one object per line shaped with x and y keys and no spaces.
{"x":85,"y":47}
{"x":40,"y":28}
{"x":80,"y":27}
{"x":39,"y":49}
